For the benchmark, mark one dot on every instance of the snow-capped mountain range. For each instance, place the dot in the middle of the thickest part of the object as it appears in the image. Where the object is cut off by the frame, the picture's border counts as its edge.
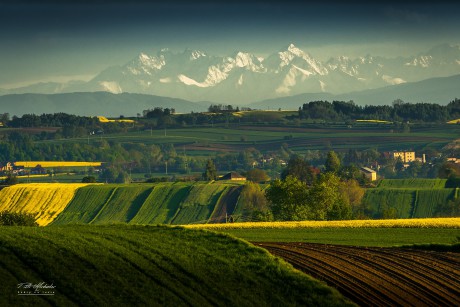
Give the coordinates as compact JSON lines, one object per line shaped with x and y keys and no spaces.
{"x":243,"y":77}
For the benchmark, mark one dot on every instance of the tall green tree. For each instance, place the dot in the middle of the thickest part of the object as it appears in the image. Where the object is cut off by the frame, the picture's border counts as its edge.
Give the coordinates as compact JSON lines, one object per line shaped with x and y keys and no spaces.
{"x":257,"y":175}
{"x":254,"y":203}
{"x":327,"y":200}
{"x":210,"y":172}
{"x":300,"y":169}
{"x":332,"y":163}
{"x":289,"y":199}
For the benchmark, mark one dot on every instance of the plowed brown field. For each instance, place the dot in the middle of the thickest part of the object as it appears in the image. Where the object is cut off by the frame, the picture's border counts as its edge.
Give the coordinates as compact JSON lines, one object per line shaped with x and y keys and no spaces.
{"x":373,"y":276}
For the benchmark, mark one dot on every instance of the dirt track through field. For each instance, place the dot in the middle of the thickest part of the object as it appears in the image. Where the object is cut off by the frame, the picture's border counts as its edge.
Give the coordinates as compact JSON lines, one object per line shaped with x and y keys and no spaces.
{"x":373,"y":276}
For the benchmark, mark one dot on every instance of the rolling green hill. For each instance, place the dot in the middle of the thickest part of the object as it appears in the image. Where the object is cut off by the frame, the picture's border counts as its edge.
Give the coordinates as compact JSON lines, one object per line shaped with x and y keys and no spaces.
{"x":91,"y":103}
{"x":163,"y":203}
{"x":180,"y":203}
{"x":148,"y":266}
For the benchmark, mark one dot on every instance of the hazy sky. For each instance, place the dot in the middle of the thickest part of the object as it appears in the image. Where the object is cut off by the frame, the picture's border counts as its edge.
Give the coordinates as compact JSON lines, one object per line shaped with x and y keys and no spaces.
{"x":61,"y":40}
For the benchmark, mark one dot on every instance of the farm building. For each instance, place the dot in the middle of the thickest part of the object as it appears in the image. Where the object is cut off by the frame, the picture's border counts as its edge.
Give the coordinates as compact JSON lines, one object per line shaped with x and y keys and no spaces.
{"x":6,"y":167}
{"x":369,"y":173}
{"x":38,"y":170}
{"x":406,"y":156}
{"x":232,"y":176}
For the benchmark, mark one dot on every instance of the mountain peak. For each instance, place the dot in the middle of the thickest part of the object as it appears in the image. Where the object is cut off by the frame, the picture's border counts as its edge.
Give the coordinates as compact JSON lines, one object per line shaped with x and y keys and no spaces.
{"x":194,"y":54}
{"x":294,"y":50}
{"x":195,"y":75}
{"x":143,"y":56}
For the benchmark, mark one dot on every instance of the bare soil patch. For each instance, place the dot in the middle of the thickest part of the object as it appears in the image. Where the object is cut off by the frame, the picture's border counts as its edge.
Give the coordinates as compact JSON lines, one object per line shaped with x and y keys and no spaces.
{"x":373,"y":276}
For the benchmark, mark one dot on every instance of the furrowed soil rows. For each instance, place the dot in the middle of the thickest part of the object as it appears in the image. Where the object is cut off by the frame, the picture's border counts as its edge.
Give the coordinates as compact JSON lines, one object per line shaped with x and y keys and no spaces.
{"x":378,"y":276}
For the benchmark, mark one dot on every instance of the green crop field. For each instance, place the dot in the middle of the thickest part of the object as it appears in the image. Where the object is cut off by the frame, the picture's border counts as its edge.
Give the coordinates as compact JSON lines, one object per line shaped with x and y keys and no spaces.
{"x":413,"y":183}
{"x":199,"y":204}
{"x":148,"y":266}
{"x":86,"y":204}
{"x":202,"y":202}
{"x":207,"y":140}
{"x":429,"y":200}
{"x":350,"y":236}
{"x":162,"y":203}
{"x":383,"y":202}
{"x":408,"y":198}
{"x":123,"y":204}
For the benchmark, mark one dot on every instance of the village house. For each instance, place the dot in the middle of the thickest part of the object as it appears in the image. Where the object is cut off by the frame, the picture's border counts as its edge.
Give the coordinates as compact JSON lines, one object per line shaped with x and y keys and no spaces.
{"x":233,"y":176}
{"x":369,"y":173}
{"x":38,"y":170}
{"x":405,"y":156}
{"x":6,"y":167}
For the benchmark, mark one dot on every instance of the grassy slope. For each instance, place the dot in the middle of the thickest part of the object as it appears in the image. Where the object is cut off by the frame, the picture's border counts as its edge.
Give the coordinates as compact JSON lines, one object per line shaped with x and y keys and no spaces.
{"x":123,"y":205}
{"x":199,"y":204}
{"x":85,"y":205}
{"x":141,"y":265}
{"x":163,"y":203}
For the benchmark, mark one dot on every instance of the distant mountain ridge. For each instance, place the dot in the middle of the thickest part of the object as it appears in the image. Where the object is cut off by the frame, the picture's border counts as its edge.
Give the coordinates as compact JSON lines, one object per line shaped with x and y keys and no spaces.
{"x":243,"y":78}
{"x":91,"y":104}
{"x":435,"y":90}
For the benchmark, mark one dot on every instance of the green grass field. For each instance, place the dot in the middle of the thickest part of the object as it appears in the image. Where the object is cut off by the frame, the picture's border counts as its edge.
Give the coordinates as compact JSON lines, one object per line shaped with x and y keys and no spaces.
{"x":148,"y":266}
{"x":351,"y":236}
{"x":205,"y":140}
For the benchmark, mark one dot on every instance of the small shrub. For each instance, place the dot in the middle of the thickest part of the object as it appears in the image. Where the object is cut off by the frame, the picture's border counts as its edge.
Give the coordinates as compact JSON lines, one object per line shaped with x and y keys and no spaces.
{"x":17,"y":219}
{"x":88,"y":179}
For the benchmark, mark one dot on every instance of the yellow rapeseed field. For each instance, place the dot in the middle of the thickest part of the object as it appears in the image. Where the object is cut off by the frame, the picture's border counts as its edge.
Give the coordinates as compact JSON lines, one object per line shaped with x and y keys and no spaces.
{"x":44,"y":200}
{"x":45,"y":164}
{"x":455,"y":121}
{"x":374,"y":121}
{"x":103,"y":119}
{"x":396,"y":223}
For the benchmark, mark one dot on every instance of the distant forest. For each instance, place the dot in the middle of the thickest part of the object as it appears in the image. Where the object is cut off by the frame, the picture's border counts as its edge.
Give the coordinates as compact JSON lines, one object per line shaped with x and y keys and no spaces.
{"x":400,"y":111}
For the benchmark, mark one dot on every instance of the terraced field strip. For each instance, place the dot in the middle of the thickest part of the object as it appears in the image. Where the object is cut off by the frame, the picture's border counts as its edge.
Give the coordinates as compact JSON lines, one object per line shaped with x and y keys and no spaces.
{"x":378,"y":276}
{"x":162,"y":204}
{"x":199,"y":204}
{"x":413,"y":183}
{"x":86,"y":204}
{"x":429,"y":200}
{"x":226,"y":204}
{"x":44,"y":201}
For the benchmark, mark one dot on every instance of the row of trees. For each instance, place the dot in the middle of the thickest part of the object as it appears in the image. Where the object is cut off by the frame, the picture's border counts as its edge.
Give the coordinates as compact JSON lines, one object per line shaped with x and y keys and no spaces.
{"x":303,"y":193}
{"x":399,"y":111}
